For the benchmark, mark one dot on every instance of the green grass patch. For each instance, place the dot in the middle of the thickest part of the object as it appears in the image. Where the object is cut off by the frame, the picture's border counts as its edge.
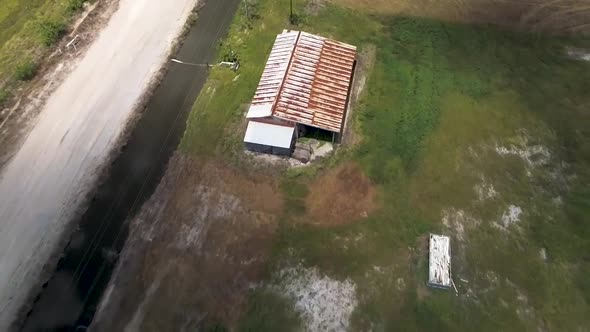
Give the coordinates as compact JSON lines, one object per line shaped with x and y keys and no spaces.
{"x":27,"y":27}
{"x":439,"y":102}
{"x":75,"y":5}
{"x":269,"y":312}
{"x":295,"y":193}
{"x":49,"y":31}
{"x":25,"y":70}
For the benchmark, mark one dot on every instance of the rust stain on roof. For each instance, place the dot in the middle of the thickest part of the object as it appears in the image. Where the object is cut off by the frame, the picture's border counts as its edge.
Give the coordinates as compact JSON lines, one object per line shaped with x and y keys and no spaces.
{"x":306,"y":80}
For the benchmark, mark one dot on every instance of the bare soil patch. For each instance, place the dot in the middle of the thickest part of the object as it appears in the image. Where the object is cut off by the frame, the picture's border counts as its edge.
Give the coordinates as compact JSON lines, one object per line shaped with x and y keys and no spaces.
{"x":261,"y":192}
{"x":340,"y":196}
{"x":325,"y":304}
{"x":206,"y":224}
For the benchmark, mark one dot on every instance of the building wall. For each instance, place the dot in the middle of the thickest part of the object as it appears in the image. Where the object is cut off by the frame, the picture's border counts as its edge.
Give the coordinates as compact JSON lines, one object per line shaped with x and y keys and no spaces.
{"x":268,"y":149}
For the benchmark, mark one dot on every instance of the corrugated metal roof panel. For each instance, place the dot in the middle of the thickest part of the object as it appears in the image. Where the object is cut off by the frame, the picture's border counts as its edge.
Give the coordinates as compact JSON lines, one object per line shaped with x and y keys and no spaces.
{"x":306,"y":80}
{"x":273,"y":75}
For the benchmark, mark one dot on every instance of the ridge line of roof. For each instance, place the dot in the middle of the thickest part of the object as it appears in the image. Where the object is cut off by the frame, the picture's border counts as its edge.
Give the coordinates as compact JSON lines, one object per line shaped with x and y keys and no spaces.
{"x":325,"y":73}
{"x":274,"y":104}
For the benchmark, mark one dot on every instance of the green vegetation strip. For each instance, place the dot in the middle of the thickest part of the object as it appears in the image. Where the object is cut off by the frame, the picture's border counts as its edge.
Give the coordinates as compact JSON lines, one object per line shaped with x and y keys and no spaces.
{"x":27,"y":29}
{"x":459,"y":123}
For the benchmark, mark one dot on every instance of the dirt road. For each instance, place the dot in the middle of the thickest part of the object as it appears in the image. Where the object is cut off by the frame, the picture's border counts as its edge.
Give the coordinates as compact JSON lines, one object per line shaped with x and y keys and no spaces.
{"x":46,"y":180}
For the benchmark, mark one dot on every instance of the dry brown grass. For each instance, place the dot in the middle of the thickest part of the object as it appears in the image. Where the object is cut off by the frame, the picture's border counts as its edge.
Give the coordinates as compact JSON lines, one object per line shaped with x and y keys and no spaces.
{"x":556,"y":16}
{"x":341,"y":195}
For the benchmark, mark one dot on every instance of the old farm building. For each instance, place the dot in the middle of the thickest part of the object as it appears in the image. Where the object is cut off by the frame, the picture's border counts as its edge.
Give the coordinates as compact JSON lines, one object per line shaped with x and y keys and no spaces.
{"x":306,"y":82}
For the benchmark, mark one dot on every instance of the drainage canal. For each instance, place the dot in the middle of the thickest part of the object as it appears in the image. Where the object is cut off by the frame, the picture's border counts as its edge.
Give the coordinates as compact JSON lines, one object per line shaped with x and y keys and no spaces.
{"x":69,"y":299}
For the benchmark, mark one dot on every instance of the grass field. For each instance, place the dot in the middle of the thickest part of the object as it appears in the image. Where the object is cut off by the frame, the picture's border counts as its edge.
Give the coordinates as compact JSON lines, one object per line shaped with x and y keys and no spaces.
{"x":27,"y":28}
{"x":478,"y":133}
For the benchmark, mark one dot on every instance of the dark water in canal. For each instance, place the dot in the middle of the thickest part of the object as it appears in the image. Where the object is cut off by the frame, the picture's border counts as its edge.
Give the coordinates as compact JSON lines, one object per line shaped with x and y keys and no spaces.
{"x":69,"y":299}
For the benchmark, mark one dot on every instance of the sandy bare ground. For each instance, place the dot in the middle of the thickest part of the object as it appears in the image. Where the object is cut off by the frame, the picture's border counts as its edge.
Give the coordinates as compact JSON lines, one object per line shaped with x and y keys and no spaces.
{"x":194,"y":250}
{"x":44,"y":183}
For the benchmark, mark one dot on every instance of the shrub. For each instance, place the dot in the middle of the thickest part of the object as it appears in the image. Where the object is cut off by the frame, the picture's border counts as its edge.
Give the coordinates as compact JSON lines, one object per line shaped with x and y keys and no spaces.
{"x":296,"y":19}
{"x":75,"y":5}
{"x":229,"y":55}
{"x":49,"y":31}
{"x":26,"y":70}
{"x":251,"y":10}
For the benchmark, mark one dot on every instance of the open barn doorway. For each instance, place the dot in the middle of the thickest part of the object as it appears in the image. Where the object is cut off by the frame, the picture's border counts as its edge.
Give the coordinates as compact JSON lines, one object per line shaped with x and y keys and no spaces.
{"x":312,"y":142}
{"x":305,"y":132}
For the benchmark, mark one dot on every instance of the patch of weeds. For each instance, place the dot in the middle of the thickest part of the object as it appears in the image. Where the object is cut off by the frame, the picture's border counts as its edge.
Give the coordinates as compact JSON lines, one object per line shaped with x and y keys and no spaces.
{"x":50,"y":31}
{"x":565,"y":233}
{"x":26,"y":70}
{"x":75,"y":5}
{"x":229,"y":55}
{"x":578,"y":205}
{"x":268,"y":311}
{"x":582,"y":279}
{"x":192,"y":19}
{"x":4,"y":96}
{"x":296,"y":19}
{"x":214,"y":327}
{"x":22,"y":35}
{"x":389,"y":171}
{"x":295,"y":191}
{"x":251,"y":11}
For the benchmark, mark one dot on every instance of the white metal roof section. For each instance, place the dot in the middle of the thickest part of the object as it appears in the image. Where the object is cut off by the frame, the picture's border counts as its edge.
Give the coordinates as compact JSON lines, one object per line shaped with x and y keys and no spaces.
{"x":259,"y":111}
{"x":439,"y":268}
{"x":269,"y":134}
{"x":273,"y":75}
{"x":316,"y":85}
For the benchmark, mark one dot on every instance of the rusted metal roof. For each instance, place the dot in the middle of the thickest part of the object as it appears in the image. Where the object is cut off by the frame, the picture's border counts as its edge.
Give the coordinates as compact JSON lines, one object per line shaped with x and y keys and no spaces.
{"x":273,"y":75}
{"x":306,"y":80}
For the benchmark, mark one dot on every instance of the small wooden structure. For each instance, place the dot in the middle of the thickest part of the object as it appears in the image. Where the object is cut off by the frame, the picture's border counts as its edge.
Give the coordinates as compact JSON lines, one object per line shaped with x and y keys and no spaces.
{"x":439,"y":268}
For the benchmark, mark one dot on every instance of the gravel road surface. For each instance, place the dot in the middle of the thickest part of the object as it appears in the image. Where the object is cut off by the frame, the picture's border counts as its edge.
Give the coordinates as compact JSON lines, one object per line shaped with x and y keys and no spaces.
{"x":44,"y":183}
